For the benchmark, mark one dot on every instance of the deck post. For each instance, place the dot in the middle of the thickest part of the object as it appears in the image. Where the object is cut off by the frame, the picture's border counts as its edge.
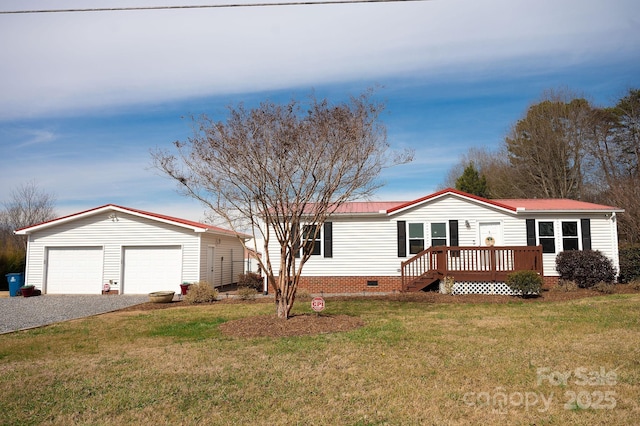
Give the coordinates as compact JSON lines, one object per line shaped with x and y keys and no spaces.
{"x":493,"y":263}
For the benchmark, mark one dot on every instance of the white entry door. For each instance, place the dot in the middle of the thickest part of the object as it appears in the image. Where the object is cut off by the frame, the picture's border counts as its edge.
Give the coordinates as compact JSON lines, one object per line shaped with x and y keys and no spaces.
{"x":150,"y":268}
{"x":74,"y":270}
{"x":211,"y":266}
{"x":490,"y":234}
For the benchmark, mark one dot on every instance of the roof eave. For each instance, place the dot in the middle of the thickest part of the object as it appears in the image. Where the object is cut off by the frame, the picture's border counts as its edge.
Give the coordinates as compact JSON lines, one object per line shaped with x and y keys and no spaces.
{"x":455,"y":193}
{"x":109,"y":207}
{"x":522,"y":210}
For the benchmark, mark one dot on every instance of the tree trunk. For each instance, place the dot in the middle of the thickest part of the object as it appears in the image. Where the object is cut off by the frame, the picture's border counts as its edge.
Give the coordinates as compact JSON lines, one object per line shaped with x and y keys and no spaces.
{"x":284,"y":297}
{"x":282,"y":309}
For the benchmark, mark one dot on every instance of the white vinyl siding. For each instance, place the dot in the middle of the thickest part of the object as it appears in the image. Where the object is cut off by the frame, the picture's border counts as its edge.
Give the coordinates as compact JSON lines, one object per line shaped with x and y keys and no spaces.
{"x":228,"y":261}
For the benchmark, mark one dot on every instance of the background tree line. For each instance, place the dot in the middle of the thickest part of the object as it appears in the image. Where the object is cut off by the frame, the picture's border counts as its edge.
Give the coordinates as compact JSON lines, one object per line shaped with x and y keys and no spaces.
{"x":26,"y":206}
{"x":565,"y":147}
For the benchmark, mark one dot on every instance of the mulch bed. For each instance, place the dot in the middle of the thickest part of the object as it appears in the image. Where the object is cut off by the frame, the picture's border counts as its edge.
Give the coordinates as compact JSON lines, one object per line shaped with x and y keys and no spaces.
{"x":311,"y":324}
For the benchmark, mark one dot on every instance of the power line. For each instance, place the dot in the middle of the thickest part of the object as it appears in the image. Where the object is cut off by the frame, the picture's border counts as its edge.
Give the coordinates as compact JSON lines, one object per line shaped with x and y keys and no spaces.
{"x":209,"y":6}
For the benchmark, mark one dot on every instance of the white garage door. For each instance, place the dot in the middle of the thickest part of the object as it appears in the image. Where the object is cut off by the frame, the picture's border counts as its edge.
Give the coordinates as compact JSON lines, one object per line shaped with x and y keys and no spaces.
{"x":148,"y":269}
{"x":74,"y":270}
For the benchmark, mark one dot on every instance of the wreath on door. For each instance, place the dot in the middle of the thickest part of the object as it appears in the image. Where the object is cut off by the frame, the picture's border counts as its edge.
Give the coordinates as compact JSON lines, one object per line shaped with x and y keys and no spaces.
{"x":489,"y":241}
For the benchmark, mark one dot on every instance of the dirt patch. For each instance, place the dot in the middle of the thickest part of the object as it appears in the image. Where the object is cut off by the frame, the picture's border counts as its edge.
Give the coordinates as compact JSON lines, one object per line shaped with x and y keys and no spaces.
{"x":309,"y":324}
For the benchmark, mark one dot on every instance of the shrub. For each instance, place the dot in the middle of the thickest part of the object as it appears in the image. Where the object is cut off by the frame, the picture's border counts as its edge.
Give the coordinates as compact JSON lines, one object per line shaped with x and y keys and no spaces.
{"x":586,"y":267}
{"x":629,"y":263}
{"x":606,"y":288}
{"x":250,"y":280}
{"x":200,"y":292}
{"x":526,"y":283}
{"x":566,"y":286}
{"x":246,"y":293}
{"x":635,"y":284}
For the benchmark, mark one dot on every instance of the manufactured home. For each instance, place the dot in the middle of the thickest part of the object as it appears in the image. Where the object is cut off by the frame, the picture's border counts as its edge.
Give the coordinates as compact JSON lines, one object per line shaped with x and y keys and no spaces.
{"x":411,"y":246}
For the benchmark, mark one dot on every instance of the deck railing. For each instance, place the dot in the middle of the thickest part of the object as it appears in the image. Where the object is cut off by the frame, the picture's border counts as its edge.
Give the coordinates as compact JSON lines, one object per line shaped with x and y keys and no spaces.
{"x":482,"y":264}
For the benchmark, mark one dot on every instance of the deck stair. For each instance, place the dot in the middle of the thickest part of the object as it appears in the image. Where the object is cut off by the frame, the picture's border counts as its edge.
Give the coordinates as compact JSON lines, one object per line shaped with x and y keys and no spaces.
{"x":470,"y":264}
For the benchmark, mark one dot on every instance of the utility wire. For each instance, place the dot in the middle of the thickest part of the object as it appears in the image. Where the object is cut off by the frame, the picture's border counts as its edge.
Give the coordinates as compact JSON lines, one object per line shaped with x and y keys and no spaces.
{"x":209,"y":6}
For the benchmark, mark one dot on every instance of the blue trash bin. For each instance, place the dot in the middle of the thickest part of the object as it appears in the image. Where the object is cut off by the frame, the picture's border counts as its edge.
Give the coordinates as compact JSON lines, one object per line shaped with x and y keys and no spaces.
{"x":15,"y":282}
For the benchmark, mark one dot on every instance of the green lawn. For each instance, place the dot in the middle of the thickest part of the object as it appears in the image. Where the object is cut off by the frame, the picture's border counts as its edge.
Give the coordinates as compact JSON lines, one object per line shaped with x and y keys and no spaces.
{"x":413,"y":363}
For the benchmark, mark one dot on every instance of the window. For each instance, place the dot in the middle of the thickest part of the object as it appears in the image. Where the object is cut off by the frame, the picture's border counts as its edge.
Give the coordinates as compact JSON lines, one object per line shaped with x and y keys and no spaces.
{"x":570,"y":236}
{"x":311,"y":239}
{"x":438,"y":234}
{"x":546,"y":237}
{"x":416,"y":238}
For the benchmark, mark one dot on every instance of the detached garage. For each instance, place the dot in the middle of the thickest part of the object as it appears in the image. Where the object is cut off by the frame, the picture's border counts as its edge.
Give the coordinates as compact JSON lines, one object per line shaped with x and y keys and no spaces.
{"x":120,"y":250}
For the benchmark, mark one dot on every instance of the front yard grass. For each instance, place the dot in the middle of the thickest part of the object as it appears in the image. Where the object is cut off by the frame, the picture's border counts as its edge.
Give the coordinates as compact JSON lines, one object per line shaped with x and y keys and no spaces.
{"x":575,"y":362}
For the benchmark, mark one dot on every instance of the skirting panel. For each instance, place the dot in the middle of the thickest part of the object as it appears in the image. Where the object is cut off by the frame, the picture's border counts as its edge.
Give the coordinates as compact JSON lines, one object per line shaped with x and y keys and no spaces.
{"x":480,"y":288}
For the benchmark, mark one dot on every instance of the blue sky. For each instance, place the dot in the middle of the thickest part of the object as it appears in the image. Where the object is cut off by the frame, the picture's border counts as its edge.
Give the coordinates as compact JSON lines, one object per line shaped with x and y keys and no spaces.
{"x":85,"y":96}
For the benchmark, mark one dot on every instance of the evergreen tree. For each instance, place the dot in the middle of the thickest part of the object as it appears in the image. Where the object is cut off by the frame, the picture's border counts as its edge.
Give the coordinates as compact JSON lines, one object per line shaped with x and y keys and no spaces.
{"x":471,"y":182}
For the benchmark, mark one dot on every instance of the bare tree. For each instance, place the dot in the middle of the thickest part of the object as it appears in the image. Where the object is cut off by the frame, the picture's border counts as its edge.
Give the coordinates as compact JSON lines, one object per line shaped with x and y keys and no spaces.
{"x":565,"y":147}
{"x":547,"y":146}
{"x":279,"y":171}
{"x":28,"y":205}
{"x":493,"y":166}
{"x":615,"y":158}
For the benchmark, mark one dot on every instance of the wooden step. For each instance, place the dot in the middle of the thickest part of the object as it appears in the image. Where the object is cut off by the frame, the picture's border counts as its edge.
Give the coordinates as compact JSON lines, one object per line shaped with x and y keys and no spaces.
{"x":424,"y":281}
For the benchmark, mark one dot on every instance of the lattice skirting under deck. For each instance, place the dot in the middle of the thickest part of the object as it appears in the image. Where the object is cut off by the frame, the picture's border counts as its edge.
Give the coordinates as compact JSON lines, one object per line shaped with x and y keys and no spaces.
{"x":480,"y":288}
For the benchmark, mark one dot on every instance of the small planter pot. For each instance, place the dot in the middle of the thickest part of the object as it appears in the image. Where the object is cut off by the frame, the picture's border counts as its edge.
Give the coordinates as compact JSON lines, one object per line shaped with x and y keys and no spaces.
{"x":27,"y":291}
{"x":161,"y":296}
{"x":184,"y":288}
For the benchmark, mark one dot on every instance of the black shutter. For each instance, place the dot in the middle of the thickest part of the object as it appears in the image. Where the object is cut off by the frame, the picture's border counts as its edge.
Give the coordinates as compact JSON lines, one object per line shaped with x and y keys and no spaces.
{"x":531,"y":232}
{"x":585,"y":225}
{"x":328,"y":239}
{"x":402,"y":238}
{"x":453,"y":237}
{"x":453,"y":233}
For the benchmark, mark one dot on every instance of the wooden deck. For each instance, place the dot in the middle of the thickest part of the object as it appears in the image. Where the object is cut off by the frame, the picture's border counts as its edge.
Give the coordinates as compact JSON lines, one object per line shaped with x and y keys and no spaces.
{"x":478,"y":264}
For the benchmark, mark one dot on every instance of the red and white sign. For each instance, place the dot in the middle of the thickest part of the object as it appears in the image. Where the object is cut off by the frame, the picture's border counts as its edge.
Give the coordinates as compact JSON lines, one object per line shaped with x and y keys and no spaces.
{"x":317,"y":304}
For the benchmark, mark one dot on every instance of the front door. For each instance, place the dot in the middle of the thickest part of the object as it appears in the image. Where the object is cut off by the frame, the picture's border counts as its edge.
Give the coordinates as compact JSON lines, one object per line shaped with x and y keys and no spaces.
{"x":490,"y":234}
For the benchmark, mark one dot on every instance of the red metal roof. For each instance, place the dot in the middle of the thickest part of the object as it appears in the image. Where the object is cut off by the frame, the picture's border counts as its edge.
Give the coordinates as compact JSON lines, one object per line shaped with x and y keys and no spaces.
{"x":555,"y":204}
{"x":551,"y":205}
{"x":193,"y":224}
{"x":183,"y":221}
{"x":363,"y":207}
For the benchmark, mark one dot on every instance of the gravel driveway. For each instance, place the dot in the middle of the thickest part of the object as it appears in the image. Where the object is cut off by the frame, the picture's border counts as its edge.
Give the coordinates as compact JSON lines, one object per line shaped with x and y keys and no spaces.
{"x":17,"y":313}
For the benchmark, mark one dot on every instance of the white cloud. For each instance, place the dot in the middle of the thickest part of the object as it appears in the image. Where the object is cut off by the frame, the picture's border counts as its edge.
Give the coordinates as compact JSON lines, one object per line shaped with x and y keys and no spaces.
{"x":55,"y":63}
